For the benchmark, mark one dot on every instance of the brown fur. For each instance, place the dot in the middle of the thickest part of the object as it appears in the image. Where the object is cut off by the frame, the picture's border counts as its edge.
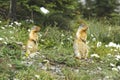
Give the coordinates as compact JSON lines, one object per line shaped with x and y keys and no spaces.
{"x":32,"y":44}
{"x":80,"y":46}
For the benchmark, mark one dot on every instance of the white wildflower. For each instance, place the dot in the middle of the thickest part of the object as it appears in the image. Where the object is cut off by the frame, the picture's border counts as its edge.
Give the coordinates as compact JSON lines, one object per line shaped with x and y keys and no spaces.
{"x":10,"y":65}
{"x":77,"y":70}
{"x":88,"y":8}
{"x":111,"y":49}
{"x":44,"y":10}
{"x":111,"y":44}
{"x":92,"y":35}
{"x":87,"y":42}
{"x":27,"y":20}
{"x":10,"y":25}
{"x":31,"y":21}
{"x":68,"y":38}
{"x":99,"y":68}
{"x":23,"y":62}
{"x":17,"y":23}
{"x":82,"y":1}
{"x":12,"y":37}
{"x":94,"y":39}
{"x":16,"y":79}
{"x":3,"y":28}
{"x":1,"y":39}
{"x":95,"y":55}
{"x":6,"y":38}
{"x":0,"y":21}
{"x":11,"y":31}
{"x":106,"y":46}
{"x":28,"y":30}
{"x":109,"y":28}
{"x":115,"y":50}
{"x":62,"y":43}
{"x":5,"y":42}
{"x":43,"y":56}
{"x":6,"y":25}
{"x":115,"y":69}
{"x":20,"y":43}
{"x":106,"y":77}
{"x":117,"y":57}
{"x":15,"y":28}
{"x":112,"y":65}
{"x":62,"y":35}
{"x":118,"y":46}
{"x":37,"y":76}
{"x":42,"y":40}
{"x":40,"y":35}
{"x":118,"y":67}
{"x":71,"y":37}
{"x":109,"y":54}
{"x":99,"y":44}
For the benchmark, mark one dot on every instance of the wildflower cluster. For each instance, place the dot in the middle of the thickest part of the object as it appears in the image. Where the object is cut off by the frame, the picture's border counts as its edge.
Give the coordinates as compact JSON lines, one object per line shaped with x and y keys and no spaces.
{"x":44,"y":10}
{"x":111,"y":44}
{"x":15,"y":23}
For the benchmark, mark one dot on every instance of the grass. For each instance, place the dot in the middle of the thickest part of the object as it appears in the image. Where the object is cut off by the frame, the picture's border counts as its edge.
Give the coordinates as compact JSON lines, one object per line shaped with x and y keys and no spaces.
{"x":56,"y":46}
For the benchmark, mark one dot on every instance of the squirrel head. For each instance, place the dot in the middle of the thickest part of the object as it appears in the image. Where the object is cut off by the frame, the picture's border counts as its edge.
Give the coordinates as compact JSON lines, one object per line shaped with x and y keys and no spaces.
{"x":36,"y":29}
{"x":83,"y":27}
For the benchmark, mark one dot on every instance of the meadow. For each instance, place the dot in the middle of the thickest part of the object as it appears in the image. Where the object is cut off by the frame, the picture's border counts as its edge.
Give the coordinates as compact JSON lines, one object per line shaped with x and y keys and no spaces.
{"x":54,"y":60}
